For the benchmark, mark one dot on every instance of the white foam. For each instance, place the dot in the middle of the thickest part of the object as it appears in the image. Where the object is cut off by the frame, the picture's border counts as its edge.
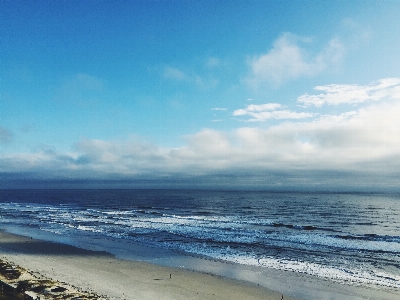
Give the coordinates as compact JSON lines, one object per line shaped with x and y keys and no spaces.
{"x":220,"y":229}
{"x":357,"y":276}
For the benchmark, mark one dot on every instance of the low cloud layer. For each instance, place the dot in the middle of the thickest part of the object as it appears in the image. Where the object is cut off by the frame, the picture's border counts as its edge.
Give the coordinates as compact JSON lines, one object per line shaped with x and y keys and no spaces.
{"x":302,"y":149}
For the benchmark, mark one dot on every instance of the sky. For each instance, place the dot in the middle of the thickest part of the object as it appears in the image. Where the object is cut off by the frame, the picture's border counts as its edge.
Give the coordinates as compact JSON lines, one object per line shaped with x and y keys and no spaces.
{"x":208,"y":94}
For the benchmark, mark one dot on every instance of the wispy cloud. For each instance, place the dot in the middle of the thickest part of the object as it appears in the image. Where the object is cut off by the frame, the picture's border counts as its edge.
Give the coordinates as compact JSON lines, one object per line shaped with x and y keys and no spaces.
{"x":177,"y":75}
{"x":5,"y":135}
{"x":174,"y":74}
{"x":80,"y":89}
{"x":267,"y":111}
{"x":219,"y":108}
{"x":335,"y":94}
{"x":288,"y":60}
{"x":213,"y":62}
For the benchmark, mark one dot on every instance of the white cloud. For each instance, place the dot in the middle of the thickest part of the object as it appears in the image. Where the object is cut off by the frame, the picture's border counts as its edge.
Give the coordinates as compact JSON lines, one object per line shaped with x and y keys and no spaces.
{"x":177,"y":75}
{"x":341,"y":142}
{"x":330,"y":142}
{"x":263,"y":107}
{"x":174,"y":74}
{"x":124,"y":157}
{"x":364,"y":141}
{"x":288,"y":60}
{"x":335,"y":94}
{"x":219,"y":108}
{"x":267,"y":111}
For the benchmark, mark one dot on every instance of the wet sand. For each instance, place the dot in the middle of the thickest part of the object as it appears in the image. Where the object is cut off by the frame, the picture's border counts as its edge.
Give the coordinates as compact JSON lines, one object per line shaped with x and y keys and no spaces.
{"x":148,"y":277}
{"x":103,"y":274}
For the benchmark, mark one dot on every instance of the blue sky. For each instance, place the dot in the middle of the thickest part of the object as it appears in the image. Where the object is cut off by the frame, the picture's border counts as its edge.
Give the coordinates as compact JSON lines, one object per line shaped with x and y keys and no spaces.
{"x":272,"y":94}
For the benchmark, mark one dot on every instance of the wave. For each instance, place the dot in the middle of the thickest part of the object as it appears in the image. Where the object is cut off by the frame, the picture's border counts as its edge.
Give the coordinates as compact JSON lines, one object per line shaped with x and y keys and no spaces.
{"x":348,"y":246}
{"x":229,"y":229}
{"x":303,"y":227}
{"x":371,"y":237}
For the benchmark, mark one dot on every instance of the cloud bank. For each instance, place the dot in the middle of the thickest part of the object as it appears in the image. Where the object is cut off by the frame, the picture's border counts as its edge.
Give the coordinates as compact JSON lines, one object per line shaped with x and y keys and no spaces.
{"x":358,"y":147}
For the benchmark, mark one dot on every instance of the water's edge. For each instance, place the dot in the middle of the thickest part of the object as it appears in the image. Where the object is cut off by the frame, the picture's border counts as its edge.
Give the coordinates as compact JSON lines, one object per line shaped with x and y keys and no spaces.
{"x":297,"y":285}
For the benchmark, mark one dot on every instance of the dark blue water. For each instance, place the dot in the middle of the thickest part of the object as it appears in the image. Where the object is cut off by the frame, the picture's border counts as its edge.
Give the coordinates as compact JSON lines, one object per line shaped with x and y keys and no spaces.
{"x":352,"y":238}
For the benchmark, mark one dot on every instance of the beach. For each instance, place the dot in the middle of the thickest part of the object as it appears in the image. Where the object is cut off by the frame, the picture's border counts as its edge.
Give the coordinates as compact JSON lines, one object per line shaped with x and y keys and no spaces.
{"x":100,"y":273}
{"x":103,"y":274}
{"x":212,"y":244}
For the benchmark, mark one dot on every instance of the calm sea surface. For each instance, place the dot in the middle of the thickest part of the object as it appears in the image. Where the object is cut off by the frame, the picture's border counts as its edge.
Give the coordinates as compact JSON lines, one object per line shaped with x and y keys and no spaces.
{"x":352,"y":238}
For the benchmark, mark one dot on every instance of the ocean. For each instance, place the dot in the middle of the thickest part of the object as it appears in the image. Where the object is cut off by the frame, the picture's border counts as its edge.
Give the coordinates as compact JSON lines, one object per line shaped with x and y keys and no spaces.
{"x":350,"y":238}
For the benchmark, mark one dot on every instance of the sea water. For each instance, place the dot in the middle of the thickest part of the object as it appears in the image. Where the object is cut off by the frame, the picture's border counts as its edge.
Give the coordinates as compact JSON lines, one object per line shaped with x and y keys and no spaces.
{"x":351,"y":238}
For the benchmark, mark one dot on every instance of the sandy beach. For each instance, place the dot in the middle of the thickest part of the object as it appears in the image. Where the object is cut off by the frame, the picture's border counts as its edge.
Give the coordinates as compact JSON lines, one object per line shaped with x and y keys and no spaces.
{"x":103,"y":274}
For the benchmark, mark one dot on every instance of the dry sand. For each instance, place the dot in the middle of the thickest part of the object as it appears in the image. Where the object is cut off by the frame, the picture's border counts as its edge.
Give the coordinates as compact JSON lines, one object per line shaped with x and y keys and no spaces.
{"x":103,"y":274}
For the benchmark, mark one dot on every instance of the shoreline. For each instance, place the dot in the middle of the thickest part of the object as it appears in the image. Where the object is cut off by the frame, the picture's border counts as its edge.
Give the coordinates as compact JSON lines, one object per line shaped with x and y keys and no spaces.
{"x":103,"y":274}
{"x":64,"y":262}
